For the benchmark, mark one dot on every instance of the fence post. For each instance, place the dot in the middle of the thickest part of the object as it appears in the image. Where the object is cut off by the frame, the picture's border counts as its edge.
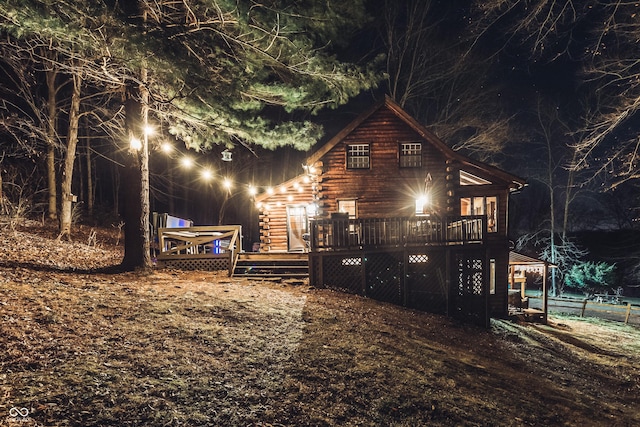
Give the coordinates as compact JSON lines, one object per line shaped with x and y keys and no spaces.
{"x":584,"y":307}
{"x":626,"y":318}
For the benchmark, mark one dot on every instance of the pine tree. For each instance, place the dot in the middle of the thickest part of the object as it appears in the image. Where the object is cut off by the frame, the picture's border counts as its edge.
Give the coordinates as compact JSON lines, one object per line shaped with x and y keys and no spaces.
{"x":209,"y":71}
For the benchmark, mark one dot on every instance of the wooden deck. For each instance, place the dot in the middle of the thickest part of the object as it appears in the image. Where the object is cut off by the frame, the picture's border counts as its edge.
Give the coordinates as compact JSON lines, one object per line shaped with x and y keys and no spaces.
{"x":346,"y":234}
{"x":204,"y":247}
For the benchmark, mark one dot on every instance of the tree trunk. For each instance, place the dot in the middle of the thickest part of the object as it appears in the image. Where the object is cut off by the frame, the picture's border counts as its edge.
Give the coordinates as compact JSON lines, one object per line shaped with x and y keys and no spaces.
{"x":67,"y":172}
{"x":115,"y":182}
{"x":1,"y":193}
{"x":51,"y":146}
{"x":89,"y":167}
{"x":552,"y":206}
{"x":135,"y":203}
{"x":171,"y":191}
{"x":569,"y":194}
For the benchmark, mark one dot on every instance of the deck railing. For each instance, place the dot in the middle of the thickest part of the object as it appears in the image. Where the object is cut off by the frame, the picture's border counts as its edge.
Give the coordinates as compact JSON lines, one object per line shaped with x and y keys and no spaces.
{"x":336,"y":234}
{"x":190,"y":243}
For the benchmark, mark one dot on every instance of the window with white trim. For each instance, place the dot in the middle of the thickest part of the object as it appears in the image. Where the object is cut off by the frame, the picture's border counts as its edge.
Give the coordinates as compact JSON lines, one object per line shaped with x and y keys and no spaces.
{"x":410,"y":155}
{"x":358,"y":156}
{"x":348,"y":206}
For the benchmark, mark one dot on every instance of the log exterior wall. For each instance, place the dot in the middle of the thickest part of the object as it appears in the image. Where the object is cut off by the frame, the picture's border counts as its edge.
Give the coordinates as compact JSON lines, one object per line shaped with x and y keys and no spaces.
{"x":273,"y":211}
{"x":386,"y":190}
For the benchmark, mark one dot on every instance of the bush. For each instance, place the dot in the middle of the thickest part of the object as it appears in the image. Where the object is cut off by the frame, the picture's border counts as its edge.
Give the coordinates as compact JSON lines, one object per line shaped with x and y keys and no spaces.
{"x":591,"y":277}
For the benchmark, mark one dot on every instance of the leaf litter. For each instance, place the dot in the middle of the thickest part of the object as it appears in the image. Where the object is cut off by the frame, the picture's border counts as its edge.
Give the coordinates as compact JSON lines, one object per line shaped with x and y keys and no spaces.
{"x":84,"y":345}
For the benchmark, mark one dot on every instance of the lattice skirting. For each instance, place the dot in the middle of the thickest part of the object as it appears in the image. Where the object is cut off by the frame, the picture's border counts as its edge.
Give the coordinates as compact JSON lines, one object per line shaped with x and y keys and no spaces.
{"x":207,"y":264}
{"x":417,"y":279}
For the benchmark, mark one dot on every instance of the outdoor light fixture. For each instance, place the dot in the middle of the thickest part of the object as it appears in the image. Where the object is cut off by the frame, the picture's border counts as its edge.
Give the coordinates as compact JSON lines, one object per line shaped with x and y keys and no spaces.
{"x":226,"y":156}
{"x":149,"y":130}
{"x":135,"y":143}
{"x":186,"y":162}
{"x":421,"y":202}
{"x":252,"y":191}
{"x":270,"y":190}
{"x":166,"y":147}
{"x":227,"y":183}
{"x":207,"y":175}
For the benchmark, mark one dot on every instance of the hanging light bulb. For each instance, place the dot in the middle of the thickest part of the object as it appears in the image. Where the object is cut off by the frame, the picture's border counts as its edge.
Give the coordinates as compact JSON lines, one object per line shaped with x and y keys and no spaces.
{"x":166,"y":147}
{"x":135,"y":143}
{"x":226,"y":183}
{"x":207,"y":175}
{"x":187,"y":162}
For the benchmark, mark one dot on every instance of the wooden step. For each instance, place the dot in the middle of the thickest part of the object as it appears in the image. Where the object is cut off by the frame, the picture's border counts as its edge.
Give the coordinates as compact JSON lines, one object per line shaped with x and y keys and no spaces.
{"x":256,"y":265}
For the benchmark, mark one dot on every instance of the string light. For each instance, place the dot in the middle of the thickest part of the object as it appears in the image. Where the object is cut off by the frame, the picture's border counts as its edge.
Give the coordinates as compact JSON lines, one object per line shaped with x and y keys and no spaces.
{"x":227,"y":184}
{"x":206,"y":174}
{"x":166,"y":148}
{"x":186,"y":162}
{"x":135,"y":143}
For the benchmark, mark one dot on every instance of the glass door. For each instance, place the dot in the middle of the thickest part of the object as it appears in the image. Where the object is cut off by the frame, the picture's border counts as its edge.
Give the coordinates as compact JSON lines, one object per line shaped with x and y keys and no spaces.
{"x":297,"y":228}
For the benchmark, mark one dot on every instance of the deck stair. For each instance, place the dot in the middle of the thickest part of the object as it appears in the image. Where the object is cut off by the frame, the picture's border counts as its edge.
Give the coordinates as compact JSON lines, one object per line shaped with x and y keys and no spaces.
{"x":272,"y":264}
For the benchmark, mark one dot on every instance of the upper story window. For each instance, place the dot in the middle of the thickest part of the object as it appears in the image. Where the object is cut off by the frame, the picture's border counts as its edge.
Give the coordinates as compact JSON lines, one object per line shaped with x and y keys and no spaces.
{"x":358,"y":156}
{"x":410,"y":155}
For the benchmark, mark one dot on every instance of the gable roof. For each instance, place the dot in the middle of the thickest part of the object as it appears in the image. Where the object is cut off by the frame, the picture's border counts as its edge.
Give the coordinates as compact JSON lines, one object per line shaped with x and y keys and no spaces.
{"x":514,"y":181}
{"x":516,"y":258}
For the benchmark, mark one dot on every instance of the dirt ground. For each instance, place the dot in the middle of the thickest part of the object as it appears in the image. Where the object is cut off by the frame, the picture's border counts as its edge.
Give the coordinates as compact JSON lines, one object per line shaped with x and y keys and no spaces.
{"x":82,"y":346}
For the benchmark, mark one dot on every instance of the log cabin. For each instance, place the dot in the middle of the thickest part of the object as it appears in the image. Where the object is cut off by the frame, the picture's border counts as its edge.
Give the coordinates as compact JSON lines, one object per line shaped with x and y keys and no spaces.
{"x":387,"y":210}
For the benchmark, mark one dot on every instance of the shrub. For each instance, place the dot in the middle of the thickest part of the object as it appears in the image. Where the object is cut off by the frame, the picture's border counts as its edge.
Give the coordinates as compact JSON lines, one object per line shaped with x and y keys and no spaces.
{"x":591,"y":277}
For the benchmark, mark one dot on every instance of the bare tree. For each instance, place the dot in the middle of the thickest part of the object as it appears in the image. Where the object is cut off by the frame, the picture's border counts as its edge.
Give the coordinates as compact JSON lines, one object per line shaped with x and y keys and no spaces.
{"x":52,"y":116}
{"x":434,"y":71}
{"x":69,"y":159}
{"x":208,"y":72}
{"x":22,"y":117}
{"x":600,"y":38}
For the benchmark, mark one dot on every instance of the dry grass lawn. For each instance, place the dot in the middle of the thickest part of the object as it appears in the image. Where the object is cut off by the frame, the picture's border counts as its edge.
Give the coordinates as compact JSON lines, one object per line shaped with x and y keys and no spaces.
{"x":84,"y":347}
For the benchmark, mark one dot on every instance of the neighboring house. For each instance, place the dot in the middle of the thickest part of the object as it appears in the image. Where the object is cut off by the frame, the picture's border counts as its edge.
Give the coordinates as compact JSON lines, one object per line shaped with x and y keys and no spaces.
{"x":384,"y":184}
